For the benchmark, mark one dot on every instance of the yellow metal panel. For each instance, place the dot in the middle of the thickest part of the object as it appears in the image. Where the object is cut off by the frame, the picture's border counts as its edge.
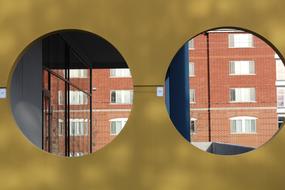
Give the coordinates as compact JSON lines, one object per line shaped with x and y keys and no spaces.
{"x":149,"y":153}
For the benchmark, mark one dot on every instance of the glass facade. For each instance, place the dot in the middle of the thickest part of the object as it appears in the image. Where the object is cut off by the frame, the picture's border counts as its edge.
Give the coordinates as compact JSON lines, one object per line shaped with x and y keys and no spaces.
{"x":67,"y":103}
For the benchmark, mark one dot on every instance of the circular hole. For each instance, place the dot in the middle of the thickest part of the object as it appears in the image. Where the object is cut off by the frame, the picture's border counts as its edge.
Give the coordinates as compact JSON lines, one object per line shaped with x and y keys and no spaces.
{"x":71,"y":93}
{"x":225,"y":91}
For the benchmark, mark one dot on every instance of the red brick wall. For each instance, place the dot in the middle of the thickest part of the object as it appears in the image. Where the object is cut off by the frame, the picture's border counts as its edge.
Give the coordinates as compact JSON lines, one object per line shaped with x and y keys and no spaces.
{"x":104,"y":110}
{"x":221,"y":81}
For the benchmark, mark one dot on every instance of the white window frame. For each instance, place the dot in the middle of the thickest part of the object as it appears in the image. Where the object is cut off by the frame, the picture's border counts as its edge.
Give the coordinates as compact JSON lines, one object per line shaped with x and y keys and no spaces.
{"x":120,"y":73}
{"x":76,"y":154}
{"x":122,"y":96}
{"x":118,"y":130}
{"x":240,"y":67}
{"x":194,"y":93}
{"x":244,"y":128}
{"x":60,"y":127}
{"x":195,"y":126}
{"x":280,"y":70}
{"x":235,"y":42}
{"x":191,"y":44}
{"x":279,"y":89}
{"x":191,"y":65}
{"x":81,"y":97}
{"x":79,"y":129}
{"x":77,"y":97}
{"x":242,"y":99}
{"x":78,"y":73}
{"x":60,"y":97}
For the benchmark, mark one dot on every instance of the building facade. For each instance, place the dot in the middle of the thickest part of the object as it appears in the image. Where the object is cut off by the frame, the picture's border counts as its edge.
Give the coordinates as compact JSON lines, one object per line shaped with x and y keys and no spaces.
{"x":233,"y":88}
{"x":112,"y":97}
{"x":237,"y":96}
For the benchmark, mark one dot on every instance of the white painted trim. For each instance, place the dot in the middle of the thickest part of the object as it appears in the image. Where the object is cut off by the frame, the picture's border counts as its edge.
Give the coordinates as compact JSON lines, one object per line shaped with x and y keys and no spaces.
{"x":96,"y":110}
{"x":280,"y":83}
{"x":233,"y":108}
{"x":242,"y":117}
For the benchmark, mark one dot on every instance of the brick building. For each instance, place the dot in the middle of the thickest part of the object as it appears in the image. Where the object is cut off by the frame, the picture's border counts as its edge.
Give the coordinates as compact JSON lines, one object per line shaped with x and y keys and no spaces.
{"x":112,"y":101}
{"x":112,"y":98}
{"x":237,"y":96}
{"x":233,"y":88}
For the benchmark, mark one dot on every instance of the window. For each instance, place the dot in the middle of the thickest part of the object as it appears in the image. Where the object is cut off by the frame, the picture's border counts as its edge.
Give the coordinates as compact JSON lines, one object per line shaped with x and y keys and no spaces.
{"x":191,"y":44}
{"x":120,"y":73}
{"x":116,"y":125}
{"x":3,"y":93}
{"x":240,"y":41}
{"x":280,"y":70}
{"x":121,"y":96}
{"x":76,"y":154}
{"x":242,"y":67}
{"x":242,"y":94}
{"x":191,"y":69}
{"x":281,"y":119}
{"x":60,"y":99}
{"x":193,"y":126}
{"x":60,"y":127}
{"x":192,"y":95}
{"x":78,"y":73}
{"x":243,"y":125}
{"x":280,"y":97}
{"x":78,"y":97}
{"x":78,"y":127}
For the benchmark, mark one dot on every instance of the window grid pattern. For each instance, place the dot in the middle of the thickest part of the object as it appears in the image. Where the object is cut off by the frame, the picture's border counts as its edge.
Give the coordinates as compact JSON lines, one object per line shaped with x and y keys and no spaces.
{"x":191,"y":69}
{"x":120,"y":73}
{"x":242,"y":67}
{"x":243,"y":125}
{"x":192,"y":95}
{"x":240,"y":41}
{"x":78,"y":73}
{"x":242,"y":95}
{"x":121,"y":96}
{"x":78,"y":127}
{"x":116,"y":125}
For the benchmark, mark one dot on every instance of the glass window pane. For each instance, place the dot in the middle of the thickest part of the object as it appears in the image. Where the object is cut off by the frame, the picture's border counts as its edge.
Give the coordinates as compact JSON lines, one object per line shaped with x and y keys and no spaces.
{"x":240,"y":40}
{"x":113,"y":97}
{"x":191,"y":69}
{"x":280,"y":70}
{"x":191,"y":44}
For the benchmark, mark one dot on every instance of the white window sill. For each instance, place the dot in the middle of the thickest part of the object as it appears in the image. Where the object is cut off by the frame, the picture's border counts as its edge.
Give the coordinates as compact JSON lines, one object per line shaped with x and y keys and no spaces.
{"x":253,"y":74}
{"x":120,"y":76}
{"x":253,"y":133}
{"x":240,"y":47}
{"x":120,"y":103}
{"x":235,"y":102}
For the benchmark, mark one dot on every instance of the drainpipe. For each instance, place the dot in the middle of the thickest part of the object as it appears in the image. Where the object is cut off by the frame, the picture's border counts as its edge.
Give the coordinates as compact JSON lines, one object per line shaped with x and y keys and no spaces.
{"x":209,"y":87}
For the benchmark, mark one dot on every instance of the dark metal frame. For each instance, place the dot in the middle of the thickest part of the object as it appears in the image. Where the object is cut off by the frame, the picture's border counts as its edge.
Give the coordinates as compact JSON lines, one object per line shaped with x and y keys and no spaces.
{"x":68,"y":84}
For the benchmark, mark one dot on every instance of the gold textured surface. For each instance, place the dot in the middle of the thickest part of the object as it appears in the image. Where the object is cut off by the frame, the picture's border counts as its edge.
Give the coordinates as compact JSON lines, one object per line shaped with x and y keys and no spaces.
{"x":149,"y":153}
